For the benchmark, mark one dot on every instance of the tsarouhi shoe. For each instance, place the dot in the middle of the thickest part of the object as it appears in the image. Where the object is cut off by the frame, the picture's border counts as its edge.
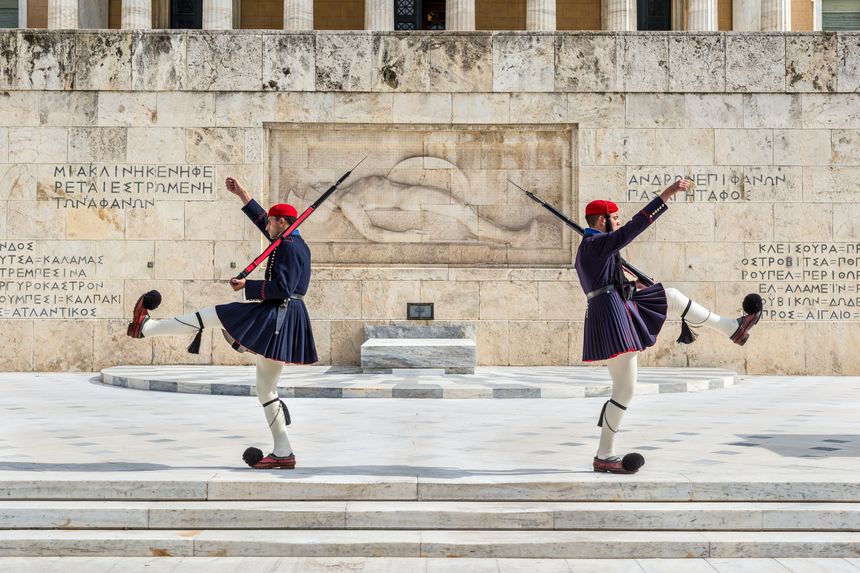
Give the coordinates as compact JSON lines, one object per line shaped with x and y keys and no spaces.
{"x":146,"y":302}
{"x":274,"y":462}
{"x":629,"y":464}
{"x":753,"y":308}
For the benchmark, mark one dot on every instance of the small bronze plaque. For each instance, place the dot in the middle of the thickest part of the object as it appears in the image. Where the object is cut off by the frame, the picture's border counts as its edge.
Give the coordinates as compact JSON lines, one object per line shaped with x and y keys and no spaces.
{"x":419,"y":310}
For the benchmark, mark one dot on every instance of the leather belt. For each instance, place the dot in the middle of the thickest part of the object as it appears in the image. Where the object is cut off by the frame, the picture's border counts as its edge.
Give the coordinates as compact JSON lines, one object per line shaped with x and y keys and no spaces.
{"x":282,"y":311}
{"x":597,"y":292}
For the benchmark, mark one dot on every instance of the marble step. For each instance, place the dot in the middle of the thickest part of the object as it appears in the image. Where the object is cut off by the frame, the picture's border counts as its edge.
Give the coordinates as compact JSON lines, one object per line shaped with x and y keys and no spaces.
{"x":690,"y":516}
{"x":310,"y":485}
{"x":417,"y":543}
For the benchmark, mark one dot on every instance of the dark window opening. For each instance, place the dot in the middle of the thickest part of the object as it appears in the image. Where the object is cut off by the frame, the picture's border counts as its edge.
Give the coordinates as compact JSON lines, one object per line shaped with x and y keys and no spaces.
{"x":654,"y":15}
{"x":186,"y":14}
{"x":419,"y":14}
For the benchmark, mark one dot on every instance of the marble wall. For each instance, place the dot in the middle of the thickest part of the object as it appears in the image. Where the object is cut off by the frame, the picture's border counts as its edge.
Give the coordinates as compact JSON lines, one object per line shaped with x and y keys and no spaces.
{"x":114,"y":147}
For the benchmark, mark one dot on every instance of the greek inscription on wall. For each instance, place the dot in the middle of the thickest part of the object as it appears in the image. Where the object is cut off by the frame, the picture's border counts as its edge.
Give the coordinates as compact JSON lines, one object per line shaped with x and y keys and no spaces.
{"x":715,"y":184}
{"x":34,"y":283}
{"x":102,"y":186}
{"x":806,"y":281}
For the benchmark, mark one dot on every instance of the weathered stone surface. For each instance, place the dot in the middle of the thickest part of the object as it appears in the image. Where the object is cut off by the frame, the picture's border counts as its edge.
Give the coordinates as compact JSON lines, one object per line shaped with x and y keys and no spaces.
{"x":46,"y":60}
{"x":95,"y":224}
{"x":185,"y":109}
{"x":288,"y":62}
{"x":596,"y":110}
{"x":846,"y":222}
{"x":103,"y":61}
{"x":846,"y":146}
{"x":755,"y":63}
{"x":401,"y":63}
{"x":547,"y":343}
{"x":127,"y":109}
{"x":810,"y":63}
{"x":185,"y":260}
{"x":453,"y":300}
{"x":156,"y":145}
{"x":421,"y":108}
{"x":643,"y":63}
{"x":223,"y":61}
{"x":507,"y":300}
{"x":789,"y":217}
{"x":164,"y":221}
{"x":77,"y":355}
{"x":200,"y":216}
{"x":215,"y":145}
{"x":457,"y":355}
{"x":244,"y":109}
{"x":655,"y":110}
{"x":346,"y":339}
{"x":744,"y":222}
{"x":97,"y":144}
{"x":8,"y":59}
{"x":297,"y":107}
{"x":697,"y":63}
{"x":538,"y":108}
{"x":481,"y":108}
{"x":684,"y":146}
{"x":461,"y":63}
{"x":343,"y":62}
{"x":836,"y":111}
{"x":419,"y":329}
{"x":68,"y":108}
{"x":19,"y":339}
{"x":493,"y":344}
{"x":848,"y":62}
{"x":17,"y":182}
{"x":772,"y":110}
{"x":19,"y":108}
{"x":524,"y":63}
{"x":158,"y":60}
{"x":714,"y":110}
{"x":801,"y":147}
{"x":38,"y":145}
{"x":838,"y":356}
{"x":384,"y":299}
{"x":585,"y":62}
{"x":616,"y":146}
{"x":831,"y":184}
{"x":743,"y":146}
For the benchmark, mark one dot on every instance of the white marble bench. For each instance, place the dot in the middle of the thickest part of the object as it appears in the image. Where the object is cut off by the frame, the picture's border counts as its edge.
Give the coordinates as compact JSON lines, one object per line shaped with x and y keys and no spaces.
{"x":451,"y":348}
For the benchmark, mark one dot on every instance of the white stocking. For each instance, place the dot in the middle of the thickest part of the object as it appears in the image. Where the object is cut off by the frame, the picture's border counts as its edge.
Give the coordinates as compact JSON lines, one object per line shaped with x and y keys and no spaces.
{"x":185,"y":324}
{"x":622,"y":369}
{"x":268,"y":372}
{"x":698,"y":315}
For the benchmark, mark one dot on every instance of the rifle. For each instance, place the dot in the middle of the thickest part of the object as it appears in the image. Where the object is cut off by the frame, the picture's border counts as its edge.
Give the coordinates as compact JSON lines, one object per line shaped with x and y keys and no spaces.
{"x":286,"y":233}
{"x":640,"y":276}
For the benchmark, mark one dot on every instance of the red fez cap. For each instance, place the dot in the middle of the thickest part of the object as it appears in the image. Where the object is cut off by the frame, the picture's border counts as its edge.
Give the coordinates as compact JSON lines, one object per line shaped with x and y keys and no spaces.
{"x":283,"y":210}
{"x":600,"y":207}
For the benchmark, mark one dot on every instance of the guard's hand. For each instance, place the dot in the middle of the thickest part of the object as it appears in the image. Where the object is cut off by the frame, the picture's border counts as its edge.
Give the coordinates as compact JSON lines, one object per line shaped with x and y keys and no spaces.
{"x":676,"y":187}
{"x":237,"y":284}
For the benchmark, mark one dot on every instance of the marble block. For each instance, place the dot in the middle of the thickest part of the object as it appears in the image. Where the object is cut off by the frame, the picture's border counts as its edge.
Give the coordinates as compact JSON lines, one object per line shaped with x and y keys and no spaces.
{"x":419,"y":331}
{"x":455,"y":355}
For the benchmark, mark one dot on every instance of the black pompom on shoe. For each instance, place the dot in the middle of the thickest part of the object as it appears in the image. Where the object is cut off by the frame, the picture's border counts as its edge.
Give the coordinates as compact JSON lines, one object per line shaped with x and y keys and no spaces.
{"x":252,"y":456}
{"x":753,"y":304}
{"x":151,"y":300}
{"x":632,"y":462}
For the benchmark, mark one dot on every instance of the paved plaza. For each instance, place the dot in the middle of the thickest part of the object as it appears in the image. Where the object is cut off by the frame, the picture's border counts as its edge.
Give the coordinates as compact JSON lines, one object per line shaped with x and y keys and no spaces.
{"x":763,"y":439}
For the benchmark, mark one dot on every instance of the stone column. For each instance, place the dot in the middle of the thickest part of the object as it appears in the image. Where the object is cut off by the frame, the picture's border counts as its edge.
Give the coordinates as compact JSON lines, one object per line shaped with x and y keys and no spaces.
{"x":217,"y":14}
{"x":299,"y":15}
{"x":460,"y":15}
{"x":22,"y":13}
{"x":775,"y":15}
{"x":679,"y":18}
{"x":379,"y":15}
{"x":540,"y":16}
{"x":62,"y":14}
{"x":136,"y":14}
{"x":746,"y":15}
{"x":702,"y":16}
{"x":817,"y":16}
{"x":618,"y":15}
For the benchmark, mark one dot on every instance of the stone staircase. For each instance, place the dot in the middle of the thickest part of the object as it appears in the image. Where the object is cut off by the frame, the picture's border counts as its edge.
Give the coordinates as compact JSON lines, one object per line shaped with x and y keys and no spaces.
{"x":585,"y":516}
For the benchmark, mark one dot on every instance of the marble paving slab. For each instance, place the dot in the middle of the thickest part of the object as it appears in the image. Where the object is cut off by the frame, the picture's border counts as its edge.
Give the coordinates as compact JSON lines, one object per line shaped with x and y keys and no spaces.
{"x":486,"y":382}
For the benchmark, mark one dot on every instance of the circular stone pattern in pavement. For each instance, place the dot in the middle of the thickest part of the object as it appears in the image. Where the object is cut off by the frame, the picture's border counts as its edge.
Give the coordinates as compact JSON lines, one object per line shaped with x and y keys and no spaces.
{"x":345,"y":382}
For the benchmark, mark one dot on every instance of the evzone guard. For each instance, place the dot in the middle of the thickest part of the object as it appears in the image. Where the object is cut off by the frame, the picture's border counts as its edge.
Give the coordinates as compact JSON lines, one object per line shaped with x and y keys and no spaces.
{"x":276,"y":328}
{"x":621,"y":320}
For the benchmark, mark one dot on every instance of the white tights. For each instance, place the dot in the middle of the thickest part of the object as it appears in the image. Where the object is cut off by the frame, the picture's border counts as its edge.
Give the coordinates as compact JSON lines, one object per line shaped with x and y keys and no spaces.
{"x":623,"y":368}
{"x":268,"y":371}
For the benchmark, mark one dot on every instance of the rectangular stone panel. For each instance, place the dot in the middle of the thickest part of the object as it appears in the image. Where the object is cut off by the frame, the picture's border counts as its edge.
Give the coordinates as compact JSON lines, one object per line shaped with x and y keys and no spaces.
{"x":810,"y":63}
{"x":158,"y":60}
{"x":755,"y":63}
{"x":848,"y":62}
{"x":461,"y":63}
{"x":46,"y":60}
{"x":697,"y":63}
{"x":427,"y":194}
{"x":585,"y":63}
{"x":220,"y":61}
{"x":8,"y":59}
{"x":103,"y":61}
{"x":524,"y":63}
{"x":288,"y":62}
{"x":343,"y":62}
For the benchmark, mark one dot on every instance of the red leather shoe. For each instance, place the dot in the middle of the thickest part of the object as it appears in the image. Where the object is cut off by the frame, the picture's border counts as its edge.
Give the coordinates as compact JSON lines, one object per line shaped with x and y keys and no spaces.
{"x":138,"y":318}
{"x":274,"y":462}
{"x":745,"y":323}
{"x":611,"y":465}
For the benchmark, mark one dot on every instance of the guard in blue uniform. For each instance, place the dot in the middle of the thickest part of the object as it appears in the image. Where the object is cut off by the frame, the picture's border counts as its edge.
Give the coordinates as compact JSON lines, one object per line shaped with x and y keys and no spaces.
{"x":621,"y":320}
{"x":276,"y":328}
